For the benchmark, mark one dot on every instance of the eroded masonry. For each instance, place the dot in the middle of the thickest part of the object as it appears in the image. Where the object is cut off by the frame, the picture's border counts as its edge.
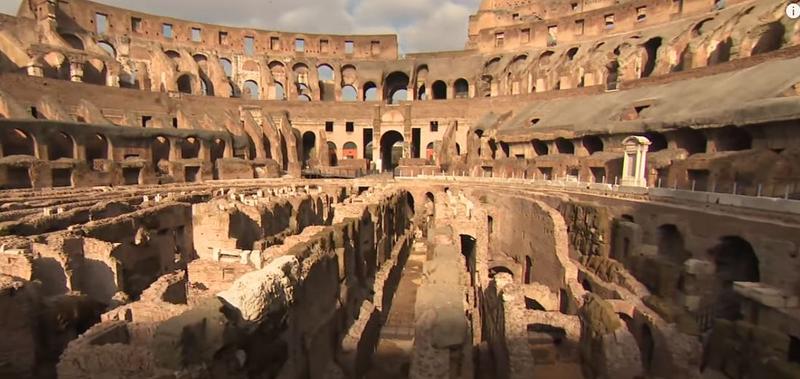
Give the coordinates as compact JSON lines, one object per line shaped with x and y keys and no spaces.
{"x":590,"y":189}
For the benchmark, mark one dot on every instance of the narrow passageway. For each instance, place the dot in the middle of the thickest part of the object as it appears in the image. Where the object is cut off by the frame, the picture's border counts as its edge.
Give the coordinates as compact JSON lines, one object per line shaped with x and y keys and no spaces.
{"x":393,"y":356}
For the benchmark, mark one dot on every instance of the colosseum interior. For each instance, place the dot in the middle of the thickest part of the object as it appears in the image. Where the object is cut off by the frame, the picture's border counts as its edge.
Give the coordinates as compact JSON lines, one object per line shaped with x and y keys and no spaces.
{"x":589,"y":189}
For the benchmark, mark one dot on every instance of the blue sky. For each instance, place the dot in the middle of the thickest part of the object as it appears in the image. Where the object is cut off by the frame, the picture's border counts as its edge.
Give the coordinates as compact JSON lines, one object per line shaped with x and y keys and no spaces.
{"x":422,"y":25}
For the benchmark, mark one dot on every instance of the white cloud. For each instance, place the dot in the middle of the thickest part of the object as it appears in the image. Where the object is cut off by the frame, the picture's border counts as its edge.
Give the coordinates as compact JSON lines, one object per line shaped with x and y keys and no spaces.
{"x":421,"y":25}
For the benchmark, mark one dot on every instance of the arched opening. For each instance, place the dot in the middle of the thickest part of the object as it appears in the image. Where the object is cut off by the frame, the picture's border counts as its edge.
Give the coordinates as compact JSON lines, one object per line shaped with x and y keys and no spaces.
{"x":685,"y":60}
{"x":304,"y":98}
{"x":206,"y":88}
{"x":160,"y":149}
{"x":461,"y":88}
{"x":422,"y":93}
{"x":185,"y":84}
{"x":736,"y":262}
{"x":392,"y":144}
{"x":251,"y":90}
{"x":539,"y":147}
{"x":771,"y":39}
{"x":571,"y":53}
{"x":586,"y":285}
{"x":333,"y":158}
{"x":657,"y":141}
{"x":108,"y":48}
{"x":430,"y":152}
{"x":410,"y":203}
{"x":370,"y":92}
{"x":309,"y":147}
{"x":325,"y":73}
{"x":96,"y":148}
{"x":565,"y":146}
{"x":61,"y":146}
{"x":670,"y":244}
{"x":350,"y":150}
{"x":691,"y":140}
{"x":650,"y":56}
{"x":592,"y":144}
{"x":95,"y":72}
{"x":190,"y":148}
{"x":280,"y":93}
{"x":73,"y":41}
{"x":17,"y":142}
{"x":217,"y":150}
{"x":722,"y":53}
{"x":227,"y":66}
{"x":439,"y":89}
{"x":494,"y":270}
{"x":349,"y":93}
{"x":396,"y":87}
{"x":468,"y":244}
{"x":733,"y":139}
{"x":56,"y":66}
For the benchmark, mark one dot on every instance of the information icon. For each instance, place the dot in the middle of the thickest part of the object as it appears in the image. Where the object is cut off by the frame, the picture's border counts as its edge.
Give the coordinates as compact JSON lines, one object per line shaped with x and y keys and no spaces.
{"x":793,"y":11}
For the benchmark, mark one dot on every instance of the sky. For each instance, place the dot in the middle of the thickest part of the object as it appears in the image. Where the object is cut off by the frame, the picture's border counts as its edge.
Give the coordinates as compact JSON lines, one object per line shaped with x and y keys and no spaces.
{"x":421,"y":25}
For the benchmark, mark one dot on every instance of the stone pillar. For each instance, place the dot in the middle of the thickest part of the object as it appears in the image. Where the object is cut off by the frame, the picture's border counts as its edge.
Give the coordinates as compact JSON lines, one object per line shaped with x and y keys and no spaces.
{"x":35,"y":70}
{"x":634,"y":161}
{"x":76,"y":71}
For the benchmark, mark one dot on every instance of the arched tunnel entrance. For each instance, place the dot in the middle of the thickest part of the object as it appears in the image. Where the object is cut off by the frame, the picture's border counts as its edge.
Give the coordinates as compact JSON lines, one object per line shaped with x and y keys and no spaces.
{"x":392,"y":145}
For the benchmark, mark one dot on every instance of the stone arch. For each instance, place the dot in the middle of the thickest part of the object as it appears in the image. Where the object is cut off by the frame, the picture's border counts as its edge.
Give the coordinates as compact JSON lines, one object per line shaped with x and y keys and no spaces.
{"x":350,"y":150}
{"x":392,"y":145}
{"x":95,"y":72}
{"x":650,"y":56}
{"x":564,"y":146}
{"x":325,"y":73}
{"x":721,"y":53}
{"x":671,"y":244}
{"x":280,"y":92}
{"x":349,"y":93}
{"x":160,"y":149}
{"x":17,"y":142}
{"x":735,"y":261}
{"x":592,"y":144}
{"x":217,"y":150}
{"x":499,"y":268}
{"x":60,"y":145}
{"x":184,"y":84}
{"x":396,"y":87}
{"x":227,"y":66}
{"x":571,"y":53}
{"x":251,"y":90}
{"x":56,"y":66}
{"x":97,"y":147}
{"x":309,"y":147}
{"x":190,"y":148}
{"x":370,"y":91}
{"x":770,"y":39}
{"x":206,"y":86}
{"x":539,"y":147}
{"x":461,"y":88}
{"x":439,"y":90}
{"x":108,"y":48}
{"x":73,"y":41}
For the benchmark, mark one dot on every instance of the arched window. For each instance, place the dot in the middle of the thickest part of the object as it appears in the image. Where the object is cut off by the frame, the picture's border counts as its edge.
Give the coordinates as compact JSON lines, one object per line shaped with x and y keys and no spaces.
{"x":61,"y":145}
{"x":650,"y":55}
{"x":396,"y":87}
{"x":349,"y":93}
{"x":185,"y":84}
{"x":227,"y":66}
{"x":461,"y":87}
{"x":325,"y":73}
{"x":350,"y":150}
{"x":190,"y":148}
{"x":16,"y":142}
{"x":370,"y":92}
{"x":108,"y":48}
{"x":565,"y":146}
{"x":592,"y":144}
{"x":280,"y":93}
{"x":96,"y":148}
{"x":439,"y":89}
{"x":251,"y":90}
